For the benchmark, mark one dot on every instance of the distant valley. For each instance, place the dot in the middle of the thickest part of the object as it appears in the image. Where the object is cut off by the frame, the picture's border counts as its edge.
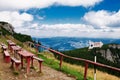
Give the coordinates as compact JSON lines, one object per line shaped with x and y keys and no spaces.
{"x":71,"y":43}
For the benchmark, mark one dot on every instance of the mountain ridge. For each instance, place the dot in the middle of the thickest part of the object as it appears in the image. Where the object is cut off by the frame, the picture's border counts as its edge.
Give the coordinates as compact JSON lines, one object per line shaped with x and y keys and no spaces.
{"x":71,"y":43}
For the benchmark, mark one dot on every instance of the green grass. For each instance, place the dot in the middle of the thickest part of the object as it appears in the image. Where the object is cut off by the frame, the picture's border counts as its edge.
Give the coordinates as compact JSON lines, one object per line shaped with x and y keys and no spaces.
{"x":53,"y":63}
{"x":16,"y":73}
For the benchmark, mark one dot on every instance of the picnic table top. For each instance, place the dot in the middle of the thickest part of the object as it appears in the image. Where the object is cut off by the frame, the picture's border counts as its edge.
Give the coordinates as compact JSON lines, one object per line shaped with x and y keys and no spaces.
{"x":16,"y":47}
{"x":25,"y":53}
{"x":12,"y":44}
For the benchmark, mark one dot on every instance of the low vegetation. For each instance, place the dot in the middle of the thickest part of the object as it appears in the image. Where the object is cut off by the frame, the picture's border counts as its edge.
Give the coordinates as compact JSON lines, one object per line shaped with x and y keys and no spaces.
{"x":86,"y":54}
{"x":71,"y":70}
{"x":50,"y":61}
{"x":18,"y":36}
{"x":22,"y":37}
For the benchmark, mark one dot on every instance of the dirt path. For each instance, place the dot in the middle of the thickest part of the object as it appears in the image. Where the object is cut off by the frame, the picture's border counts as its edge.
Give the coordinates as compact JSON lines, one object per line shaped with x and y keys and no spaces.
{"x":47,"y":73}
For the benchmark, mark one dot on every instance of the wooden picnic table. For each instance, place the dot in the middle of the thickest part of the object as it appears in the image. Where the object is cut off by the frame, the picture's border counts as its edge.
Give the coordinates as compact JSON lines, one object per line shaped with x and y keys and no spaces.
{"x":4,"y":47}
{"x":11,"y":44}
{"x":6,"y":56}
{"x":15,"y":49}
{"x":27,"y":55}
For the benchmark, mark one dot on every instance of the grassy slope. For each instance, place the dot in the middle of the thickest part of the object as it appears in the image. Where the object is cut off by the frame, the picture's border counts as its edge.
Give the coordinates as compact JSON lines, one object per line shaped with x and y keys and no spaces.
{"x":84,"y":53}
{"x":51,"y":61}
{"x":66,"y":68}
{"x":76,"y":71}
{"x":70,"y":69}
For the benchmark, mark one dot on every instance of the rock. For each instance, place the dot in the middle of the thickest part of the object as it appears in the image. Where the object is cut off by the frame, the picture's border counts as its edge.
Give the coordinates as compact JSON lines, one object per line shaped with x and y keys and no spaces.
{"x":7,"y":26}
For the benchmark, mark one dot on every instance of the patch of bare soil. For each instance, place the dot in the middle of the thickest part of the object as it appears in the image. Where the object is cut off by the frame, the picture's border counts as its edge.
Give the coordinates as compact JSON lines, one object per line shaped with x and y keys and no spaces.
{"x":6,"y":73}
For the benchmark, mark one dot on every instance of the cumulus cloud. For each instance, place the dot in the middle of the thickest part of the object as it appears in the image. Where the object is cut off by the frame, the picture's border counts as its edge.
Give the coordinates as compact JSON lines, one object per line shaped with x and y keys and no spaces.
{"x":23,"y":23}
{"x":103,"y":19}
{"x":26,"y":4}
{"x":70,"y":30}
{"x":98,"y":24}
{"x":15,"y":18}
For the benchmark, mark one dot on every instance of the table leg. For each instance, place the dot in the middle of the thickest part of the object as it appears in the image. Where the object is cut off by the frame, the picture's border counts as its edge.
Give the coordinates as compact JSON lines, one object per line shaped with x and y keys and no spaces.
{"x":40,"y":65}
{"x":32,"y":62}
{"x":8,"y":46}
{"x":28,"y":64}
{"x":21,"y":61}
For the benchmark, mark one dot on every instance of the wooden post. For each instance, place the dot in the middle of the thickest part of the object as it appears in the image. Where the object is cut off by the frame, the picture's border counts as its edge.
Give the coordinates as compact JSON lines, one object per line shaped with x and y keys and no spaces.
{"x":61,"y":58}
{"x":95,"y":59}
{"x":12,"y":65}
{"x":85,"y":72}
{"x":28,"y":64}
{"x":40,"y":66}
{"x":32,"y":62}
{"x":21,"y":61}
{"x":36,"y":48}
{"x":17,"y":65}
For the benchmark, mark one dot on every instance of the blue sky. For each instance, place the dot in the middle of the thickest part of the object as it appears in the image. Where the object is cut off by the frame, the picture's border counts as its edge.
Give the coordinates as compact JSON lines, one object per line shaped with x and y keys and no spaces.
{"x":68,"y":18}
{"x":56,"y":14}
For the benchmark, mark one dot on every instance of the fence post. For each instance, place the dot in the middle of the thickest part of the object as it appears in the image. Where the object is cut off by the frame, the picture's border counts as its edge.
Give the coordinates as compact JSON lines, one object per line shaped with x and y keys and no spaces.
{"x":85,"y":71}
{"x":61,"y":58}
{"x":36,"y":48}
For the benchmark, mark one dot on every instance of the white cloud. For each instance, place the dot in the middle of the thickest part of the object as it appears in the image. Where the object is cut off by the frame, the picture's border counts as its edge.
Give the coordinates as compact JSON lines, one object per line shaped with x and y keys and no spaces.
{"x":103,"y":19}
{"x":15,"y":18}
{"x":70,"y":30}
{"x":84,"y":3}
{"x":26,"y":4}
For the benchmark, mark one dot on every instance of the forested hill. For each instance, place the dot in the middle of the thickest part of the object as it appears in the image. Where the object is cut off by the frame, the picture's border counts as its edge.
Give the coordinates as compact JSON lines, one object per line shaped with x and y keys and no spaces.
{"x":109,"y":54}
{"x":8,"y":29}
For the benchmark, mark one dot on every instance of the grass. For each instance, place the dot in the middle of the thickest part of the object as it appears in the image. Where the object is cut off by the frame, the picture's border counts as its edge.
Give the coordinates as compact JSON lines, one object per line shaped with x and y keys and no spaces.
{"x":16,"y":73}
{"x":53,"y":63}
{"x":72,"y":70}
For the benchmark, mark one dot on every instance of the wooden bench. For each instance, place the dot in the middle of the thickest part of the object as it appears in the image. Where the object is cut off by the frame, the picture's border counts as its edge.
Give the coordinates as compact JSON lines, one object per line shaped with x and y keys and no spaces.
{"x":6,"y":56}
{"x":39,"y":61}
{"x":17,"y":63}
{"x":4,"y":47}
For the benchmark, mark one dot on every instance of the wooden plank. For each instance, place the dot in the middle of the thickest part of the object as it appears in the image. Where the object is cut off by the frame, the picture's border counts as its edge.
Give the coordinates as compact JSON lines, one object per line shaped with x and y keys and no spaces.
{"x":37,"y":58}
{"x":6,"y":53}
{"x":15,"y":60}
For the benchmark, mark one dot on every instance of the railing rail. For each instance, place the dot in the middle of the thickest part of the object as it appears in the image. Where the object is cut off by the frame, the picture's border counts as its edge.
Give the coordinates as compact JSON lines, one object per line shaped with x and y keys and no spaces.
{"x":79,"y":59}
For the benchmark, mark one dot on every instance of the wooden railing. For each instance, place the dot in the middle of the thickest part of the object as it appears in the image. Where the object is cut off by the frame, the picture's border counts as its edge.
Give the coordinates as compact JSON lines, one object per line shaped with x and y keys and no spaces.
{"x":87,"y":62}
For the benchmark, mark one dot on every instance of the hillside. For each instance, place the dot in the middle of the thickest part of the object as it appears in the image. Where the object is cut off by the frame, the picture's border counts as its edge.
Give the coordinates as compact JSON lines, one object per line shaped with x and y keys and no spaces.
{"x":8,"y":29}
{"x":6,"y":73}
{"x":109,"y":54}
{"x":50,"y":70}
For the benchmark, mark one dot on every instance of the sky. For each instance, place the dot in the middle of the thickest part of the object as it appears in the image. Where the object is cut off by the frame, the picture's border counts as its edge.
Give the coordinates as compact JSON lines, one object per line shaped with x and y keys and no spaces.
{"x":63,"y":18}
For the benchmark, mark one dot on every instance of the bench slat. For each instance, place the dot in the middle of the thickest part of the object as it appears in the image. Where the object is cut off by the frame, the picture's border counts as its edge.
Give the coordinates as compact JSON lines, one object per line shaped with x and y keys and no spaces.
{"x":6,"y":53}
{"x":15,"y":60}
{"x":37,"y":58}
{"x":4,"y":47}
